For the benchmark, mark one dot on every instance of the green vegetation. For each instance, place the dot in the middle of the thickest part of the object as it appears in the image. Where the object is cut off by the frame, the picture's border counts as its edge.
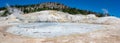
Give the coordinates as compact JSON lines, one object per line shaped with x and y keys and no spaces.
{"x":37,"y":7}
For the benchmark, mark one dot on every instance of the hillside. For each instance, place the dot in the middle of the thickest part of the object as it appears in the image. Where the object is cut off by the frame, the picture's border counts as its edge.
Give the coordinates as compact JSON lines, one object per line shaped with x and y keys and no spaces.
{"x":51,"y":26}
{"x":52,"y":6}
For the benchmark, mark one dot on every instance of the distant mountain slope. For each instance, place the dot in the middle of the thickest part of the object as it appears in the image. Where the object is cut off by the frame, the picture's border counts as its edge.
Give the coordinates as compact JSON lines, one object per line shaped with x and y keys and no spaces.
{"x":52,"y":6}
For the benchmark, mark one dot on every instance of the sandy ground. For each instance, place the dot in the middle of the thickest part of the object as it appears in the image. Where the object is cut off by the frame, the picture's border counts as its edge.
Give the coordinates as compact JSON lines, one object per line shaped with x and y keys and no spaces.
{"x":108,"y":35}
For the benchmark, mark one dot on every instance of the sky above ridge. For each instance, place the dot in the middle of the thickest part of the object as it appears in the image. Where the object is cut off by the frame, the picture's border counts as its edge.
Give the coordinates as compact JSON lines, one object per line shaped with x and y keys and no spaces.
{"x":113,"y":6}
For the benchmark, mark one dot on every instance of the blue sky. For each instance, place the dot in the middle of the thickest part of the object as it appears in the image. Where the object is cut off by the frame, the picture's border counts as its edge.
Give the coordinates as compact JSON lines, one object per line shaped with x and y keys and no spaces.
{"x":113,"y":6}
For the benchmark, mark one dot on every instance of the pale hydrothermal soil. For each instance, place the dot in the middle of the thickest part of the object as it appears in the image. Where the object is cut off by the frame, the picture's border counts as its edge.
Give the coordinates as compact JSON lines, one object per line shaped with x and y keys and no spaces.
{"x":17,"y":16}
{"x":39,"y":27}
{"x":57,"y":16}
{"x":50,"y":23}
{"x":45,"y":30}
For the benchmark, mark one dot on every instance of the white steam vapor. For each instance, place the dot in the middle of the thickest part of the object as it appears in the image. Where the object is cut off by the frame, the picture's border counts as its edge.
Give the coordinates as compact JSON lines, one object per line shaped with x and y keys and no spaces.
{"x":105,"y":11}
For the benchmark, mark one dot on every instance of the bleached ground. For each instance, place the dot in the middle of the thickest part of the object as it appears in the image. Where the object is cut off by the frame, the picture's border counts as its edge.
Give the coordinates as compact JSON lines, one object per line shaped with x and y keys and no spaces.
{"x":62,"y":27}
{"x":44,"y":30}
{"x":55,"y":23}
